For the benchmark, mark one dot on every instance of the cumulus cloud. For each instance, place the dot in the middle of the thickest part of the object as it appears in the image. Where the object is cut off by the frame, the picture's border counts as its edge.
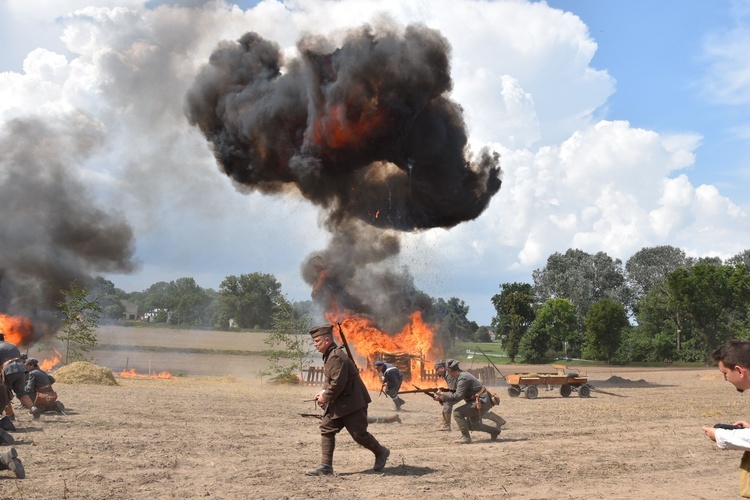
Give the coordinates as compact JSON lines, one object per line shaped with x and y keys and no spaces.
{"x":521,"y":71}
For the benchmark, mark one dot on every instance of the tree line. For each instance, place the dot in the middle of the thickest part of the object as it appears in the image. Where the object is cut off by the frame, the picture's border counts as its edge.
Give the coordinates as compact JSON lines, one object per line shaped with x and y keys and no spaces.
{"x":660,"y":306}
{"x":253,"y":301}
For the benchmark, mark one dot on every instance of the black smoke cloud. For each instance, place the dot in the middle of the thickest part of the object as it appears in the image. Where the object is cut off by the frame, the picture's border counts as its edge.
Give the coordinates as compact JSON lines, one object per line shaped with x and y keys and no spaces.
{"x":52,"y":232}
{"x":364,"y":129}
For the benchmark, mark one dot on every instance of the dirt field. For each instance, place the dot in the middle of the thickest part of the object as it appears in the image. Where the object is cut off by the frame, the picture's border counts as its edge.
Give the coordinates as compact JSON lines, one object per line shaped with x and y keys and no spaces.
{"x":233,"y":437}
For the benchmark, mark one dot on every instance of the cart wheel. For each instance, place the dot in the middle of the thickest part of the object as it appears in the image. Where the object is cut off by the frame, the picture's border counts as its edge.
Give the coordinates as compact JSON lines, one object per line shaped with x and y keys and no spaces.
{"x":565,"y":390}
{"x":584,"y":391}
{"x":514,"y":391}
{"x":531,"y":392}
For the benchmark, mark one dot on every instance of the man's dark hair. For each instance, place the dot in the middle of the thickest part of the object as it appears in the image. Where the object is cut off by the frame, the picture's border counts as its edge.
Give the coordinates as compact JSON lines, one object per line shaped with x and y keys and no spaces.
{"x":733,"y":353}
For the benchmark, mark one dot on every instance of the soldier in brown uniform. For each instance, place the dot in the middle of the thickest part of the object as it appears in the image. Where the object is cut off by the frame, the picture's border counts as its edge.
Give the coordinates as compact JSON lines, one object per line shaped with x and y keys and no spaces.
{"x":344,"y":398}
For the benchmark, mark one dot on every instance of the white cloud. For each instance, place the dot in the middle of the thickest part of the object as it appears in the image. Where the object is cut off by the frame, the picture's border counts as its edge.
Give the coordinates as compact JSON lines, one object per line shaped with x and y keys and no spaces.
{"x":522,"y":71}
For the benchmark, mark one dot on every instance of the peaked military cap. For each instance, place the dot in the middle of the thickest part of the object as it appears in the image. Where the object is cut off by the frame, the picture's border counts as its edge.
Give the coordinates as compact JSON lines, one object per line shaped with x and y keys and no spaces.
{"x":317,"y":331}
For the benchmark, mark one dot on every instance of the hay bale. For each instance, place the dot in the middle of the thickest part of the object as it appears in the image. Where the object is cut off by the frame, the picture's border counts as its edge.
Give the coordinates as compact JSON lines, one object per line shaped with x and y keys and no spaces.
{"x":84,"y":373}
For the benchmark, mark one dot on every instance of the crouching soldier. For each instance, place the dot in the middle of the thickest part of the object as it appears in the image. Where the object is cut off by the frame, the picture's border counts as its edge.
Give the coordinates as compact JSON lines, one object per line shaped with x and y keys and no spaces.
{"x":39,"y":389}
{"x":477,"y":402}
{"x":13,"y":374}
{"x":392,"y":380}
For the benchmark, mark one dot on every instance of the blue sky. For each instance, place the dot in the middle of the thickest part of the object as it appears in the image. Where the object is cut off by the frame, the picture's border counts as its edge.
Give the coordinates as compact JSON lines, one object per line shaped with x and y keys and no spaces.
{"x":621,"y":125}
{"x":656,"y":52}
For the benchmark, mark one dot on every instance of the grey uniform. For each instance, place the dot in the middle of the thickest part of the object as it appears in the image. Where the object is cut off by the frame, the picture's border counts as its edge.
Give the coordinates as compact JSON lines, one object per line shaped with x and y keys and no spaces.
{"x":468,"y":416}
{"x":14,"y":370}
{"x":38,"y":381}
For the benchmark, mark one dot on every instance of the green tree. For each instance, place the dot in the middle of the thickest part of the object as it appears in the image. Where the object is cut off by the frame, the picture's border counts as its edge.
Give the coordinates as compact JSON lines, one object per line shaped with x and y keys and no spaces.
{"x":451,"y":315}
{"x":582,"y":278}
{"x":714,"y":297}
{"x":648,"y":268}
{"x":555,"y":327}
{"x":186,"y":302}
{"x":604,"y":324}
{"x":482,"y":334}
{"x":290,"y":333}
{"x":156,"y":300}
{"x":109,"y":298}
{"x":515,"y":312}
{"x":248,"y":299}
{"x":80,"y":318}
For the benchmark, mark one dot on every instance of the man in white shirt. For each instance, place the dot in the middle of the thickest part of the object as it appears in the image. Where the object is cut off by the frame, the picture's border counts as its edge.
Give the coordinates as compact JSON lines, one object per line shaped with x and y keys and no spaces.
{"x":734,"y":363}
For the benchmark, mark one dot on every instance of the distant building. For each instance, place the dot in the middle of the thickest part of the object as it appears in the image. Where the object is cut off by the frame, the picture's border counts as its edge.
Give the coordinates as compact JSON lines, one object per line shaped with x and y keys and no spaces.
{"x":157,"y":314}
{"x":131,"y":310}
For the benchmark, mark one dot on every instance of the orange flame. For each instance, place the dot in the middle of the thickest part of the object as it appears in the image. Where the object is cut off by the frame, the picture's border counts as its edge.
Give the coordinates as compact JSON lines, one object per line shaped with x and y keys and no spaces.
{"x":339,"y":129}
{"x":52,"y":362}
{"x":132,"y":374}
{"x":416,"y":341}
{"x":18,"y":330}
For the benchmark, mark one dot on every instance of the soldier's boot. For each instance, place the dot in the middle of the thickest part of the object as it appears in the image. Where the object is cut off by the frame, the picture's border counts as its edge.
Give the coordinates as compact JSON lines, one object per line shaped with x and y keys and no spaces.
{"x":492,"y":431}
{"x":381,"y":457}
{"x":325,"y":468}
{"x":6,"y":438}
{"x":446,"y":424}
{"x":381,"y":452}
{"x":399,"y":403}
{"x":499,"y":421}
{"x":7,"y":424}
{"x":463,"y":426}
{"x":9,"y":460}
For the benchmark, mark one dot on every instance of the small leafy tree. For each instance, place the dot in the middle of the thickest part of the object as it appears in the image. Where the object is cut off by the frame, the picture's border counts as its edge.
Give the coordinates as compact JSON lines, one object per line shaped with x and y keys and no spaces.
{"x":604,"y":322}
{"x":80,"y":316}
{"x":289,"y":332}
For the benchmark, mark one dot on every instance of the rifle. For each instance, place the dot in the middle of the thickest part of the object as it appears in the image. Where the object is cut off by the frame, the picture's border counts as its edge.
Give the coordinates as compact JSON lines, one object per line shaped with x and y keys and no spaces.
{"x":488,"y":359}
{"x":346,"y":346}
{"x":431,"y":391}
{"x":428,"y":390}
{"x":315,"y":415}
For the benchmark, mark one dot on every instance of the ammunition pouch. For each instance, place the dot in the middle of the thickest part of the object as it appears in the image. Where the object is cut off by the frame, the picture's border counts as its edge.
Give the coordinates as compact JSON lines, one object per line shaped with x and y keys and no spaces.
{"x":45,"y":398}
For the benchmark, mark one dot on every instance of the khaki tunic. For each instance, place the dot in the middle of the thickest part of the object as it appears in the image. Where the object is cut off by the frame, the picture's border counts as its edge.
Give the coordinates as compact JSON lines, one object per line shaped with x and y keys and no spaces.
{"x":343,"y":389}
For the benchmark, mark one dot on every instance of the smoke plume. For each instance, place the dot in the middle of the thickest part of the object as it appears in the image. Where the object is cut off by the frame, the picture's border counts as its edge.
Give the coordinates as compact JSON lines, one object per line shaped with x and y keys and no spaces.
{"x":365,"y":129}
{"x":52,"y":232}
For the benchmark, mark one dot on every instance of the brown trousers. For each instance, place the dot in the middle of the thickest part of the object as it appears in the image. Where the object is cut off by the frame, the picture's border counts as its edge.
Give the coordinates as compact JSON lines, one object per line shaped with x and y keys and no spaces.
{"x":355,"y":423}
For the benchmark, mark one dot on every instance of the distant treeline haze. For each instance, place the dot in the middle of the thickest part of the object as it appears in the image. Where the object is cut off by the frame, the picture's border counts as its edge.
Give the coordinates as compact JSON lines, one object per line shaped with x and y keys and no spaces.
{"x":661,"y":306}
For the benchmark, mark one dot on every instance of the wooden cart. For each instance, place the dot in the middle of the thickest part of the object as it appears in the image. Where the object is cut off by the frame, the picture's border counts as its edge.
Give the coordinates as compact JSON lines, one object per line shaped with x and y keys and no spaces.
{"x":528,"y":383}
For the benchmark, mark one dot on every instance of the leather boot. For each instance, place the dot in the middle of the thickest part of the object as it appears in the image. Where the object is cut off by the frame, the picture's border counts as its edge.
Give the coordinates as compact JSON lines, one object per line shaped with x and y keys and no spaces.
{"x":9,"y":460}
{"x":492,"y":431}
{"x":325,"y":468}
{"x":399,"y":403}
{"x":464,"y":428}
{"x":381,"y":457}
{"x":6,"y":438}
{"x":446,"y":424}
{"x":320,"y":470}
{"x":9,"y":412}
{"x":7,"y":424}
{"x":499,"y":421}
